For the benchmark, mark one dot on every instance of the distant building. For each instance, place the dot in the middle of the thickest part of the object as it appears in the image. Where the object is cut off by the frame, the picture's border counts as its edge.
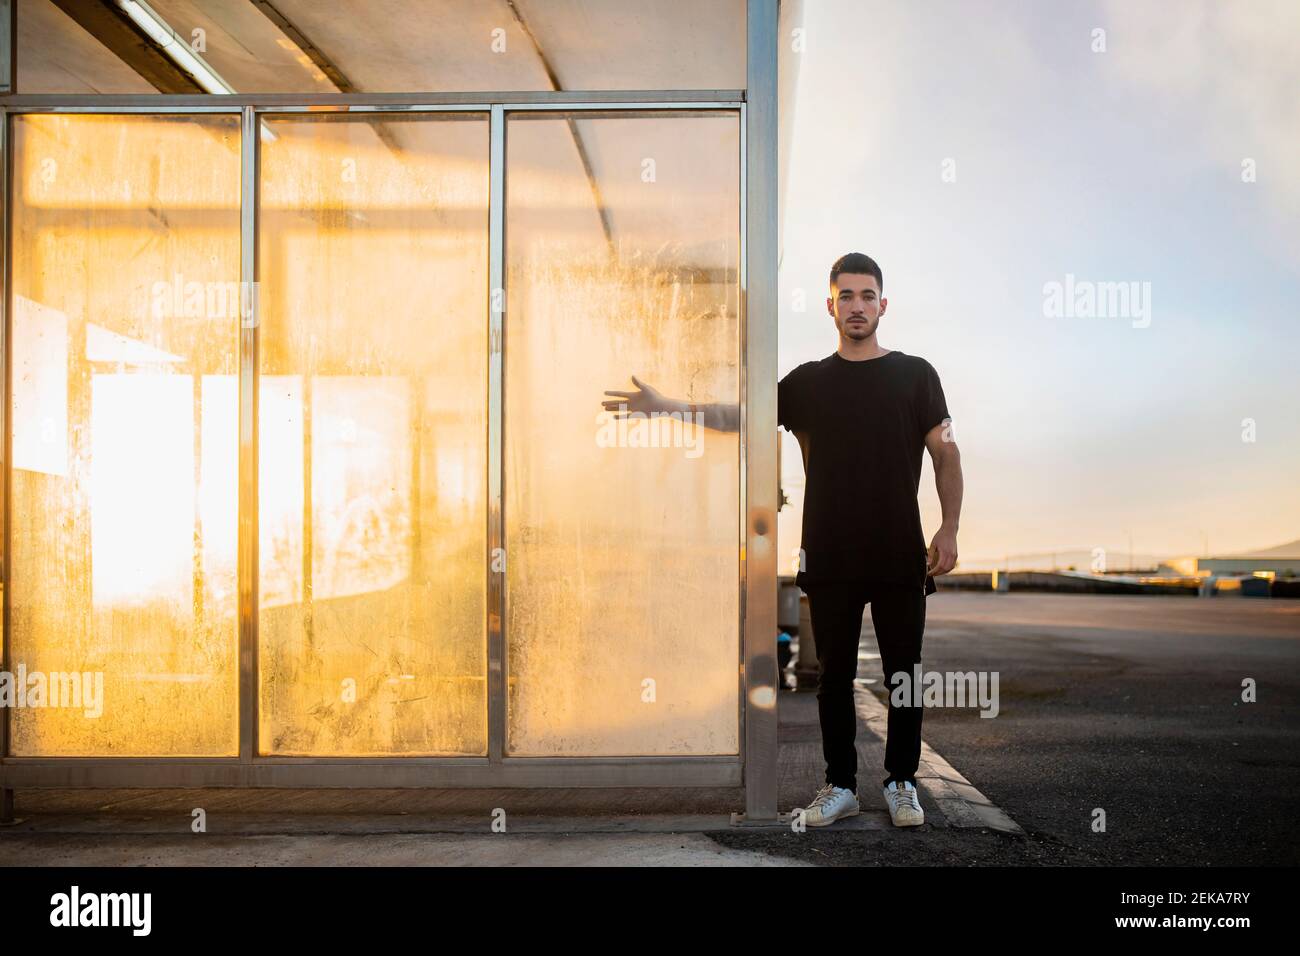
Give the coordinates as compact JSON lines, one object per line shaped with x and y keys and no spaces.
{"x":1237,"y":564}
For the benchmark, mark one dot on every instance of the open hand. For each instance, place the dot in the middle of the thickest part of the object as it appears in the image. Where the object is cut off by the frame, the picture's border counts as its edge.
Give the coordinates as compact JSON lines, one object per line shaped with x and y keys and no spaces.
{"x":645,"y":400}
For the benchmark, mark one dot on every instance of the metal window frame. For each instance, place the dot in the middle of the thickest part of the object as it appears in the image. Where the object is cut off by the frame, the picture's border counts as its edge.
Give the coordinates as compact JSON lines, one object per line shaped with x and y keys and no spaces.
{"x":755,"y":766}
{"x":8,"y":45}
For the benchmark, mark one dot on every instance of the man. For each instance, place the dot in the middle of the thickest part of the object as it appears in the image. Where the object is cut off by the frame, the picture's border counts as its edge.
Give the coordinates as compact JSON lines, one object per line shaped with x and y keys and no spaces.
{"x":862,"y":417}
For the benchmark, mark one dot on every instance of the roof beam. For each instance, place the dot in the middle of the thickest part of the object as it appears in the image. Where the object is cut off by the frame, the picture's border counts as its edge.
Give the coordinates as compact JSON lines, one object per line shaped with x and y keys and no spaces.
{"x":578,"y":144}
{"x":110,"y":26}
{"x":323,"y":63}
{"x":303,"y":43}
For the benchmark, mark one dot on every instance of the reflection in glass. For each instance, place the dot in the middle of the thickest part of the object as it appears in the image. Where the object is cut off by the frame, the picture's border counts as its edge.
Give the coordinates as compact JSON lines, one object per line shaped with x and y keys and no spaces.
{"x":125,"y":433}
{"x":622,"y":615}
{"x":372,"y":435}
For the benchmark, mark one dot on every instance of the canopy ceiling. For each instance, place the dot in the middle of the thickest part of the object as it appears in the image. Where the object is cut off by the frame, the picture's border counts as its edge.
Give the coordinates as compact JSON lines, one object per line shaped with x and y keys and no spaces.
{"x":87,"y":47}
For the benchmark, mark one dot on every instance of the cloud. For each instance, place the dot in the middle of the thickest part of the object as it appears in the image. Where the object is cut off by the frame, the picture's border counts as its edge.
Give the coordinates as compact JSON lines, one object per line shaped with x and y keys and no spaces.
{"x":1227,"y":71}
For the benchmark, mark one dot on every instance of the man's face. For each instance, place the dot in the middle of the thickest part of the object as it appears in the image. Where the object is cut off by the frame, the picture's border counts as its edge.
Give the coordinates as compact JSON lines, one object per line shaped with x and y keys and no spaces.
{"x":856,"y":305}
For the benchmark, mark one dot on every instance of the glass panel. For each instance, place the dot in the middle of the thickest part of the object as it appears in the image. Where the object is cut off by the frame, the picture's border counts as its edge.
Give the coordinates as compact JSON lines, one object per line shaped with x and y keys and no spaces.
{"x":372,"y":444}
{"x":125,"y":434}
{"x":622,"y":617}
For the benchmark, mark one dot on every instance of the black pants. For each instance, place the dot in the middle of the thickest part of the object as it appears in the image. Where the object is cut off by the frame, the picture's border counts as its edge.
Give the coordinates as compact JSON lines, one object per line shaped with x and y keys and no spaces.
{"x":898,"y":615}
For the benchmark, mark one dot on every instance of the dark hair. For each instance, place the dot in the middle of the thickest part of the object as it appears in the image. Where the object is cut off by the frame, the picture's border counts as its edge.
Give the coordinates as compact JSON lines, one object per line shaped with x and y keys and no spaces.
{"x":857,"y":263}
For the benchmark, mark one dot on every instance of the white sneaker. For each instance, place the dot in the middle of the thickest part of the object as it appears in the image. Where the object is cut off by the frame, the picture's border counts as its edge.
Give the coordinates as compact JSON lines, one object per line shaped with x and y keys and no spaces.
{"x":830,"y":804}
{"x":904,"y":804}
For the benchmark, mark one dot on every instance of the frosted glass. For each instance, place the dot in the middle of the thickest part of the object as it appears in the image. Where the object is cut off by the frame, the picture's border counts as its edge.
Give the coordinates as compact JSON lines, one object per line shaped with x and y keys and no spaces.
{"x":372,"y":436}
{"x":125,"y":432}
{"x":622,"y":575}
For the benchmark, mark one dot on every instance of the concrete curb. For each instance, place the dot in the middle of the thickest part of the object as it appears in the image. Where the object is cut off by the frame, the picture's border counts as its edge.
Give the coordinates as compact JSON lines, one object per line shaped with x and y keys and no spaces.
{"x":244,"y":824}
{"x":961,"y":804}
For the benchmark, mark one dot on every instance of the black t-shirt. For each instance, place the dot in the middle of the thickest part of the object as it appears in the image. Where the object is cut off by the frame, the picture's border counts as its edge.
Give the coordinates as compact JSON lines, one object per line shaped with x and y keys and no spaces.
{"x":864,"y":424}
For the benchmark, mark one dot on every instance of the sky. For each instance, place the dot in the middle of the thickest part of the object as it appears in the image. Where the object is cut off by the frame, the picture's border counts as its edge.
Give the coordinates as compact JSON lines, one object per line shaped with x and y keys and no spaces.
{"x":980,"y":151}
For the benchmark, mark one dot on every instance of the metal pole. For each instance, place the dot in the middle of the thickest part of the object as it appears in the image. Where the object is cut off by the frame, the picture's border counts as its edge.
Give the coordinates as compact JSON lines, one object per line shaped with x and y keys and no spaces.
{"x":758,"y":412}
{"x":385,"y":102}
{"x":496,"y":568}
{"x":6,"y":446}
{"x":249,"y":319}
{"x":8,"y":46}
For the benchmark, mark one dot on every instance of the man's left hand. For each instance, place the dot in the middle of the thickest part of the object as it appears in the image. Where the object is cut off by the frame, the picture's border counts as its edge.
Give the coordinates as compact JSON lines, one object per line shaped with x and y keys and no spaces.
{"x":942,"y":556}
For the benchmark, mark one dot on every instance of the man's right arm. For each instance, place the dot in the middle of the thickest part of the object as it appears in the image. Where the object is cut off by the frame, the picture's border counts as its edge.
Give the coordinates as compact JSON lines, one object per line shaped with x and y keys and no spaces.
{"x":720,"y":416}
{"x":647,"y":400}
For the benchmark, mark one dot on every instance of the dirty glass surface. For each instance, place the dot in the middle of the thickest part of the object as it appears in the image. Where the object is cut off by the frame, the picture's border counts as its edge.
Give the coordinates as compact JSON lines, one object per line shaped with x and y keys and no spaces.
{"x":124,"y":413}
{"x":372,"y":435}
{"x":622,"y":539}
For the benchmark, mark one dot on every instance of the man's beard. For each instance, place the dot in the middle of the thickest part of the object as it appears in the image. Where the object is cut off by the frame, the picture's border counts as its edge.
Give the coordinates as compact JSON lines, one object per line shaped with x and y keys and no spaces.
{"x":862,"y":331}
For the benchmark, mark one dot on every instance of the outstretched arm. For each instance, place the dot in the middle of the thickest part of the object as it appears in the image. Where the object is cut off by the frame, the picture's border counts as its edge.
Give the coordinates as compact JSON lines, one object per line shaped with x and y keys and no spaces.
{"x":942,"y":556}
{"x":647,"y":400}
